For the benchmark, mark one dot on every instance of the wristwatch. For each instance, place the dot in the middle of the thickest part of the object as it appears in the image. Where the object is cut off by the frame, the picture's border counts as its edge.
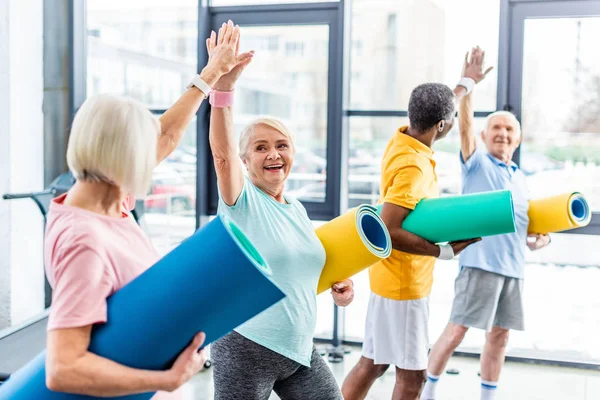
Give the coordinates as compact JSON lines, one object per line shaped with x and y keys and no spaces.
{"x":200,"y":84}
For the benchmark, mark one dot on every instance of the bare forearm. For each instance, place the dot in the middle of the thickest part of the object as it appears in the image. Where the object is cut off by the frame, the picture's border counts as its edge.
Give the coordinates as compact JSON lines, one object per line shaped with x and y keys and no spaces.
{"x":176,"y":119}
{"x":222,"y":134}
{"x":407,"y":242}
{"x":230,"y":176}
{"x":459,"y":94}
{"x":465,"y":125}
{"x":97,"y":376}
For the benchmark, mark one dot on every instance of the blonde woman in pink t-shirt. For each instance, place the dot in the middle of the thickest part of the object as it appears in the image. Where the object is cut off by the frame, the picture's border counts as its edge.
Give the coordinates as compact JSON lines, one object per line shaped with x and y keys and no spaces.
{"x":92,"y":246}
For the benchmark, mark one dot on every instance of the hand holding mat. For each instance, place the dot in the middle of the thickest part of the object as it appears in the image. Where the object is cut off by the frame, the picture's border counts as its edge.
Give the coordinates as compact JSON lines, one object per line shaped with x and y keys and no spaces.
{"x":467,"y":216}
{"x":212,"y":282}
{"x":558,"y":213}
{"x":353,"y":241}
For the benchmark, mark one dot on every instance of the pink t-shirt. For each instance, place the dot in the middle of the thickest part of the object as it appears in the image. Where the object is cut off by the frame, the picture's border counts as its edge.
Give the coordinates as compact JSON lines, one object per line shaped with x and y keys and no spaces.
{"x":88,"y":257}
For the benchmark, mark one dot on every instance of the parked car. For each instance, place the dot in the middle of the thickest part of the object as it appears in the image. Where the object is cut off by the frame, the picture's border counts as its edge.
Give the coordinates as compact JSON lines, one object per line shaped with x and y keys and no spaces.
{"x":170,"y":191}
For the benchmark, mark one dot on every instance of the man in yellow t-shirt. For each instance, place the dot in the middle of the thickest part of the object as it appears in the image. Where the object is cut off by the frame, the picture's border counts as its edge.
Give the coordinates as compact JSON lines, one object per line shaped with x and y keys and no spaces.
{"x":396,"y":330}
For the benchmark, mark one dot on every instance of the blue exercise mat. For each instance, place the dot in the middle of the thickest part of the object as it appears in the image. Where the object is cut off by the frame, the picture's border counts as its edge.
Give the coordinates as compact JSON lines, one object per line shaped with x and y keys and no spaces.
{"x":212,"y":282}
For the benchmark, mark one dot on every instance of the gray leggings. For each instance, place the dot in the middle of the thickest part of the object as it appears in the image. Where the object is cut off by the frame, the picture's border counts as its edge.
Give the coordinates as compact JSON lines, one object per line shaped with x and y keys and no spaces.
{"x":244,"y":370}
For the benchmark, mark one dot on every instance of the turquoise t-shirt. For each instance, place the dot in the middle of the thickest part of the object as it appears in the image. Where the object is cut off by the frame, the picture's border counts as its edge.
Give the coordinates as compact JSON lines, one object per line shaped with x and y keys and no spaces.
{"x":285,"y":237}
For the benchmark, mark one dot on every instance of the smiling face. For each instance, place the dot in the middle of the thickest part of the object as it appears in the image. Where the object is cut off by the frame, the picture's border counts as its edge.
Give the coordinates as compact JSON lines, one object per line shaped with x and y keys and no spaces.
{"x":502,"y":137}
{"x":269,"y":158}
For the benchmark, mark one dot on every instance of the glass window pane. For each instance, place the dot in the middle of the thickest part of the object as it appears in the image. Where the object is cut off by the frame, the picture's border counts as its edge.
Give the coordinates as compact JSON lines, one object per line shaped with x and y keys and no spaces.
{"x":397,"y":45}
{"x":561,"y":150}
{"x":143,"y":49}
{"x":369,"y":137}
{"x":219,"y":3}
{"x":288,"y":80}
{"x":169,"y":209}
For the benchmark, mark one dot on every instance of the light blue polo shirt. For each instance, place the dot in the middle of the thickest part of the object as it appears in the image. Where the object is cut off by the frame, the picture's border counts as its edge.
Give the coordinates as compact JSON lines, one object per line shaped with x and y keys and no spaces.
{"x":285,"y":237}
{"x":502,"y":254}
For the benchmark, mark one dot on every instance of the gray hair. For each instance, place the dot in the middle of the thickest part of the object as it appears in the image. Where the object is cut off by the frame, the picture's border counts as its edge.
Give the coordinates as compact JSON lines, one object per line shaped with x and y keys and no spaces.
{"x":502,"y":114}
{"x":248,"y":132}
{"x":113,"y":139}
{"x":429,"y":104}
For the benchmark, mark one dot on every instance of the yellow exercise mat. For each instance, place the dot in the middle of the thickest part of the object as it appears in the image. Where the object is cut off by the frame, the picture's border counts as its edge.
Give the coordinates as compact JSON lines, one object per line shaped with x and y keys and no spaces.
{"x":353,"y":241}
{"x":558,"y":213}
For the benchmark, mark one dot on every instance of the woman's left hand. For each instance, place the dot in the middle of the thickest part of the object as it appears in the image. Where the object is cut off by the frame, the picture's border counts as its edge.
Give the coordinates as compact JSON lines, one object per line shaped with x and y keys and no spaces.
{"x":343,"y":292}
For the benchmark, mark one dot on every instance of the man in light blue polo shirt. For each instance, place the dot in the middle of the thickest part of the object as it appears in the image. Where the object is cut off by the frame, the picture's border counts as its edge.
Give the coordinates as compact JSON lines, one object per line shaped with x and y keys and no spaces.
{"x":489,"y":287}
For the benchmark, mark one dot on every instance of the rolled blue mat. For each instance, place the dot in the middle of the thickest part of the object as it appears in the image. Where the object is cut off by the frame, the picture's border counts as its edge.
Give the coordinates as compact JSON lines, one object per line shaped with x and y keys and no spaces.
{"x":212,"y":282}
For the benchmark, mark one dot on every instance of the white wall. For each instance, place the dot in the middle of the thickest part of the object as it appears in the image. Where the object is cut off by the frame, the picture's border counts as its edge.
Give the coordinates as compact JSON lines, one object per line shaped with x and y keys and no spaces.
{"x":21,"y":159}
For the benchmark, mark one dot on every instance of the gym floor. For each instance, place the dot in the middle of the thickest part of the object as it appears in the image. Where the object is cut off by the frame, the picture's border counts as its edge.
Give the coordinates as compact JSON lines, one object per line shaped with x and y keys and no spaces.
{"x":518,"y":381}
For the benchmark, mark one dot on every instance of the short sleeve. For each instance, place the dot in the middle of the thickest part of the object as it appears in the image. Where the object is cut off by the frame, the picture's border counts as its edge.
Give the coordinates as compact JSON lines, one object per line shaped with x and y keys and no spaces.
{"x":407,"y":188}
{"x":81,"y":287}
{"x":472,"y":162}
{"x":240,"y":204}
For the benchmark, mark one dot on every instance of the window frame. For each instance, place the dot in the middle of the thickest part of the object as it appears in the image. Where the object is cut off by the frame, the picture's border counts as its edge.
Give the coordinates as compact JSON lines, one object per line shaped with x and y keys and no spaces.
{"x":331,"y":14}
{"x":513,"y":14}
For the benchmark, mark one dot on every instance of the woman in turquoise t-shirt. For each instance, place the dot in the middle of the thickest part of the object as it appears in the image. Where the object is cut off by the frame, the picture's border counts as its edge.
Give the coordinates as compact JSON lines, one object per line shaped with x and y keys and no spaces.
{"x":273,"y":351}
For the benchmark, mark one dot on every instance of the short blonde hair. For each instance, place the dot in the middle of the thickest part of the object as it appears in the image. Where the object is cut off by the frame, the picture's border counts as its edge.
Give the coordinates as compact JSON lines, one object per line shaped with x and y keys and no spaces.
{"x":113,"y":139}
{"x":502,"y":113}
{"x":249,"y":131}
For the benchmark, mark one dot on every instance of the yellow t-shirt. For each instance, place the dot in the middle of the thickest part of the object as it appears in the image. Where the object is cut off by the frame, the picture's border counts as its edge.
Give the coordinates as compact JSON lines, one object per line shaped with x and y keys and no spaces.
{"x":407,"y":176}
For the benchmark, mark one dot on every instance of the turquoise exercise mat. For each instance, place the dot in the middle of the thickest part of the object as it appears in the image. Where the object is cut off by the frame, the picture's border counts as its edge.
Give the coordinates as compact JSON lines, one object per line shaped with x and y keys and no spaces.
{"x":212,"y":282}
{"x":467,"y":216}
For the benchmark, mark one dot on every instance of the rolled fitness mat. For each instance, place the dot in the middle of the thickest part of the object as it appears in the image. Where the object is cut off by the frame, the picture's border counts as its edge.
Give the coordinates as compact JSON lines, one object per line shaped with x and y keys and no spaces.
{"x":353,"y":241}
{"x":467,"y":216}
{"x":558,"y":213}
{"x":212,"y":282}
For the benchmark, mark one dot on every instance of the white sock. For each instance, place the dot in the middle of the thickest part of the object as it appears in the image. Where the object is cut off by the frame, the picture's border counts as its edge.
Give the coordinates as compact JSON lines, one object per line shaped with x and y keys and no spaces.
{"x":488,"y":390}
{"x":428,"y":392}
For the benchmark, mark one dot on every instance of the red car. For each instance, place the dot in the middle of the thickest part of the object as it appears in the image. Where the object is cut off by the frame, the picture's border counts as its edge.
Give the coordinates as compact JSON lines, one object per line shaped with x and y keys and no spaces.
{"x":170,"y":193}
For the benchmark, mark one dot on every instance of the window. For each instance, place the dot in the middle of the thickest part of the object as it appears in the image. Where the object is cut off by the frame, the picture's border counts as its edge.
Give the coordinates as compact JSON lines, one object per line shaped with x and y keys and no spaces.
{"x":561,"y":150}
{"x":560,"y":143}
{"x":398,"y":45}
{"x":148,"y":51}
{"x":219,"y":3}
{"x":294,"y":49}
{"x":145,"y":50}
{"x":169,"y":208}
{"x":293,"y":90}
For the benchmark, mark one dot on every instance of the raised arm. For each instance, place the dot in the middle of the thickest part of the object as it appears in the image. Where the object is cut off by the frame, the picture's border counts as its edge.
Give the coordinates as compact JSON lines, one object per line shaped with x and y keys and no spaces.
{"x":465,"y":126}
{"x":472,"y":74}
{"x":176,"y":119}
{"x":230,"y":175}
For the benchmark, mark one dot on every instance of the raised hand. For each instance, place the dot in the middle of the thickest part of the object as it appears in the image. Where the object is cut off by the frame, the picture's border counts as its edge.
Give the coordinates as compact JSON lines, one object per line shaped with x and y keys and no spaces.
{"x":473,"y":68}
{"x":229,"y":34}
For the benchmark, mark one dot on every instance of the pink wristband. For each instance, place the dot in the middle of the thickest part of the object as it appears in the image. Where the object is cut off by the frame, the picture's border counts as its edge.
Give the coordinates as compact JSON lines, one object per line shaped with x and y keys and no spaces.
{"x":221,"y":99}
